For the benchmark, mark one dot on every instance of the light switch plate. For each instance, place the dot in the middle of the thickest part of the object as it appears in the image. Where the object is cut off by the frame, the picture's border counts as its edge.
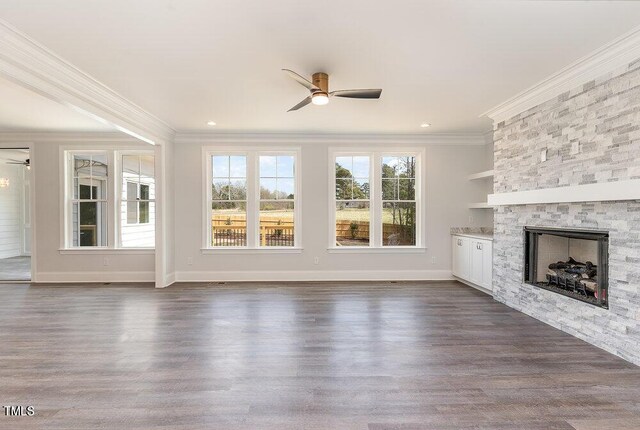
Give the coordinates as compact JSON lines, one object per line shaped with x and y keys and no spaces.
{"x":575,"y":147}
{"x":543,"y":155}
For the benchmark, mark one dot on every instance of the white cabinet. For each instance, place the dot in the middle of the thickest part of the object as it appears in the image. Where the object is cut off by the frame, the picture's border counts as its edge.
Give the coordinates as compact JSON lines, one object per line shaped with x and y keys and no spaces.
{"x":476,"y":262}
{"x":472,"y":260}
{"x":460,"y":265}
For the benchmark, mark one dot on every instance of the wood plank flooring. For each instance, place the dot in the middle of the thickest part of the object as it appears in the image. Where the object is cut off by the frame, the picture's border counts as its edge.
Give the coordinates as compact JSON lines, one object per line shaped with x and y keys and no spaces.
{"x":370,"y":356}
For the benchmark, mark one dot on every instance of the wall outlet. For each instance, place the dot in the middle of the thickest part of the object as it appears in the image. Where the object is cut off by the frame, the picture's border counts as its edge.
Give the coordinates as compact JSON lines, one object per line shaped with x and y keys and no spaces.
{"x":316,"y":260}
{"x":433,"y":260}
{"x":543,"y":155}
{"x":190,"y":261}
{"x":105,"y":261}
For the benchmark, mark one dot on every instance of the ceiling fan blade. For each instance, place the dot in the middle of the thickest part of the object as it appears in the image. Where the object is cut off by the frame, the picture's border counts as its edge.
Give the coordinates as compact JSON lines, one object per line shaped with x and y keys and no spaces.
{"x":302,"y":104}
{"x":302,"y":81}
{"x":358,"y":94}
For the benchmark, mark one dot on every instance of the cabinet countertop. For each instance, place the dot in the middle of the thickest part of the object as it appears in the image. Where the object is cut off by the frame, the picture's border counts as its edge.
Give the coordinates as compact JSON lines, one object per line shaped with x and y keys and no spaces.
{"x":483,"y":236}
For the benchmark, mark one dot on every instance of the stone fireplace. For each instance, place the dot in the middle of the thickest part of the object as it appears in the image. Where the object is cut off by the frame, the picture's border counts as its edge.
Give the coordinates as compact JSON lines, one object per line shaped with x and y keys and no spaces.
{"x":545,"y":160}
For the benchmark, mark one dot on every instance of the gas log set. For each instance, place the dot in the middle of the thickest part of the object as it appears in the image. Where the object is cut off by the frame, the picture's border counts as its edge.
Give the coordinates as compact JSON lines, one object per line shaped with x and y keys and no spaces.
{"x":572,"y":275}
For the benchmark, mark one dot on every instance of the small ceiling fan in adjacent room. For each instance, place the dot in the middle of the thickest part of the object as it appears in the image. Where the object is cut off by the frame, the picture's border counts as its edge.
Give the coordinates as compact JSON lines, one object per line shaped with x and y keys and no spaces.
{"x":319,"y":89}
{"x":25,"y":163}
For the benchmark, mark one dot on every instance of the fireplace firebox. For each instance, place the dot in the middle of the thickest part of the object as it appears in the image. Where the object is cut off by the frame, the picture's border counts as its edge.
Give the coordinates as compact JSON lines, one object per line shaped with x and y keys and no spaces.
{"x":570,"y":262}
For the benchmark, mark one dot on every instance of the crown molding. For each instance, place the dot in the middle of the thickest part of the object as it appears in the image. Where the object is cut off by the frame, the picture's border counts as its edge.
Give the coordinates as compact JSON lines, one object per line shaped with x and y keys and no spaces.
{"x":32,"y":65}
{"x":298,"y":138}
{"x":615,"y":54}
{"x":67,"y":137}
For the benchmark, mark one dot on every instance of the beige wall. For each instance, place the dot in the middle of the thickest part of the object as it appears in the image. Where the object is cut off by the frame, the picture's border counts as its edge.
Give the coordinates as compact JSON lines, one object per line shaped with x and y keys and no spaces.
{"x":448,"y":193}
{"x":85,"y":265}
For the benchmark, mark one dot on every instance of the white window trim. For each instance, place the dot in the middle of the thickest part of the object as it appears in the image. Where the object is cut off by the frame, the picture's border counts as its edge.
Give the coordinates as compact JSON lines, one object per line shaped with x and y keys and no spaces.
{"x":375,"y":198}
{"x":67,"y":201}
{"x":253,"y":154}
{"x":114,"y":190}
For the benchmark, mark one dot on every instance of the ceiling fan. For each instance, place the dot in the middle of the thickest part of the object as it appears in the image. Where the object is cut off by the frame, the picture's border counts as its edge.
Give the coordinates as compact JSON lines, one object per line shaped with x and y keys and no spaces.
{"x":319,"y":88}
{"x":25,"y":163}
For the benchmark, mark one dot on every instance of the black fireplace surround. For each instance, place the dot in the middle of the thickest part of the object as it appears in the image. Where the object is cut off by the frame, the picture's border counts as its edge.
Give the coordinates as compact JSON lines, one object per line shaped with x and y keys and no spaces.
{"x":586,"y":281}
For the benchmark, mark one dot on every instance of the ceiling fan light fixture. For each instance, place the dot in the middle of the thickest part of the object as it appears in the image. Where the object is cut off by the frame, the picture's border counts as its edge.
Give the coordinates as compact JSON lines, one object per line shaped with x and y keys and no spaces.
{"x":320,"y":99}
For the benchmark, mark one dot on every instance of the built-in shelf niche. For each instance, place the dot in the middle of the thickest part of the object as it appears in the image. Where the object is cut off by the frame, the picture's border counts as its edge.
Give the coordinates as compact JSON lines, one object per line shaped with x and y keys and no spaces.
{"x":481,"y":175}
{"x":478,"y":176}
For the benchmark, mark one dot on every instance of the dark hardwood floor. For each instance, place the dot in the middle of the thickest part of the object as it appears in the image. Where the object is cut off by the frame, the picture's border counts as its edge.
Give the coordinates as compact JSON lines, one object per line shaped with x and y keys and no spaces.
{"x":410,"y":356}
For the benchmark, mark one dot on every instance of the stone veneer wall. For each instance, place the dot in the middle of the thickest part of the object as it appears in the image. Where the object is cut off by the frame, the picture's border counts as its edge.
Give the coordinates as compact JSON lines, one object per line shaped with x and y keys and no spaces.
{"x":603,"y":116}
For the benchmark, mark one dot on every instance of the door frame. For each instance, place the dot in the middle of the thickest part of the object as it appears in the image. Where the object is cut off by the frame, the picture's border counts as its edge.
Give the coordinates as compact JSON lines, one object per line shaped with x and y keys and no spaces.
{"x":32,"y":204}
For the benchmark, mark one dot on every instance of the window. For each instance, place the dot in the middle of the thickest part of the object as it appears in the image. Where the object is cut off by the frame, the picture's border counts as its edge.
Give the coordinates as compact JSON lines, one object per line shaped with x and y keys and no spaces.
{"x":252,"y":198}
{"x":229,"y":200}
{"x":137,"y":214}
{"x":376,"y":199}
{"x":94,"y":197}
{"x":277,"y":200}
{"x":89,"y":205}
{"x":399,"y":201}
{"x":353,"y":204}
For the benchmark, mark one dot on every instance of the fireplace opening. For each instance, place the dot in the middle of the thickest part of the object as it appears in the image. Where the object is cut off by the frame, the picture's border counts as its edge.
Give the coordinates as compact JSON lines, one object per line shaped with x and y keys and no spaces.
{"x":570,"y":262}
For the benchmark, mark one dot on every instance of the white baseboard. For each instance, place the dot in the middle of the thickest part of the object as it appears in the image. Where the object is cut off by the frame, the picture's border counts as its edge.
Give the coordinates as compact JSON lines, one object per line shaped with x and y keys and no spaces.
{"x":315,"y":275}
{"x":472,"y":285}
{"x":63,"y":277}
{"x":242,"y":276}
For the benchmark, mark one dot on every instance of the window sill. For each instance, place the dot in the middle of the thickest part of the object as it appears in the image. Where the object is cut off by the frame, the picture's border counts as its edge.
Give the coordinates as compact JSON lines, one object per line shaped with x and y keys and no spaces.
{"x":273,"y":250}
{"x":380,"y":250}
{"x":107,"y":251}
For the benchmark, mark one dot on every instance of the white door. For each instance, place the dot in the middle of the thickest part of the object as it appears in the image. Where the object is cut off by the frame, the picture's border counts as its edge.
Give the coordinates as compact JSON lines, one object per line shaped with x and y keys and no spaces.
{"x":477,"y":262}
{"x":460,"y":263}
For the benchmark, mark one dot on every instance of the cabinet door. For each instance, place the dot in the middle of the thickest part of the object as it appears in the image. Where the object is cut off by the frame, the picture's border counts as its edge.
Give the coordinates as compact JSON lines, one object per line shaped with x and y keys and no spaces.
{"x":477,"y":262}
{"x":487,"y":270}
{"x":460,"y":262}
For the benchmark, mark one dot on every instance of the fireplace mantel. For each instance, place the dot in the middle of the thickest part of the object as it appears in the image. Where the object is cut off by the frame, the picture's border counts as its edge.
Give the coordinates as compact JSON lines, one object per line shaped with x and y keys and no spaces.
{"x":599,"y":192}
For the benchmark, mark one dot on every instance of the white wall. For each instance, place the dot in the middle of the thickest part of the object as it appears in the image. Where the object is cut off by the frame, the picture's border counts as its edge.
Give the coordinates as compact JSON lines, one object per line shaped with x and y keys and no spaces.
{"x":53,"y":265}
{"x":11,"y":225}
{"x":448,"y":193}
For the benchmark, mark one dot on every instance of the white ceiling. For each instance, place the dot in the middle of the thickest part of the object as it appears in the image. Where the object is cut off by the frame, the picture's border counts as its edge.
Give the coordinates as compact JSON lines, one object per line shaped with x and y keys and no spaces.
{"x":440,"y":61}
{"x":24,"y":110}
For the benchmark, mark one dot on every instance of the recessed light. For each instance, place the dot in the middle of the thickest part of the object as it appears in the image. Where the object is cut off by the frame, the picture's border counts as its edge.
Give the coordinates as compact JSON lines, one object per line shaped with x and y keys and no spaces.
{"x":425,"y":125}
{"x":211,"y":123}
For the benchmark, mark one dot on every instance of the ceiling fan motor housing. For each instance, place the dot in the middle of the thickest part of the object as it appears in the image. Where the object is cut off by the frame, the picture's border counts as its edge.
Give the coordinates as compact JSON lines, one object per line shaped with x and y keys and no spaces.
{"x":321,"y":80}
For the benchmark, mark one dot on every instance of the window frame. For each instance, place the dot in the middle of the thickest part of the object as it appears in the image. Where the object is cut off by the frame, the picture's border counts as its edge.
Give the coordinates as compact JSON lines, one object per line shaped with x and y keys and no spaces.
{"x":333,"y":201}
{"x":208,"y":172}
{"x":118,"y":156}
{"x":376,"y":155}
{"x":113,"y":200}
{"x":69,"y":200}
{"x":252,"y":199}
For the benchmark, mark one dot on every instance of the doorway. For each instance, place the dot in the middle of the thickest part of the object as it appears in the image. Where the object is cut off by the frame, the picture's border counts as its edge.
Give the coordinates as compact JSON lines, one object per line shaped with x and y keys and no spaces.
{"x":15,"y":214}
